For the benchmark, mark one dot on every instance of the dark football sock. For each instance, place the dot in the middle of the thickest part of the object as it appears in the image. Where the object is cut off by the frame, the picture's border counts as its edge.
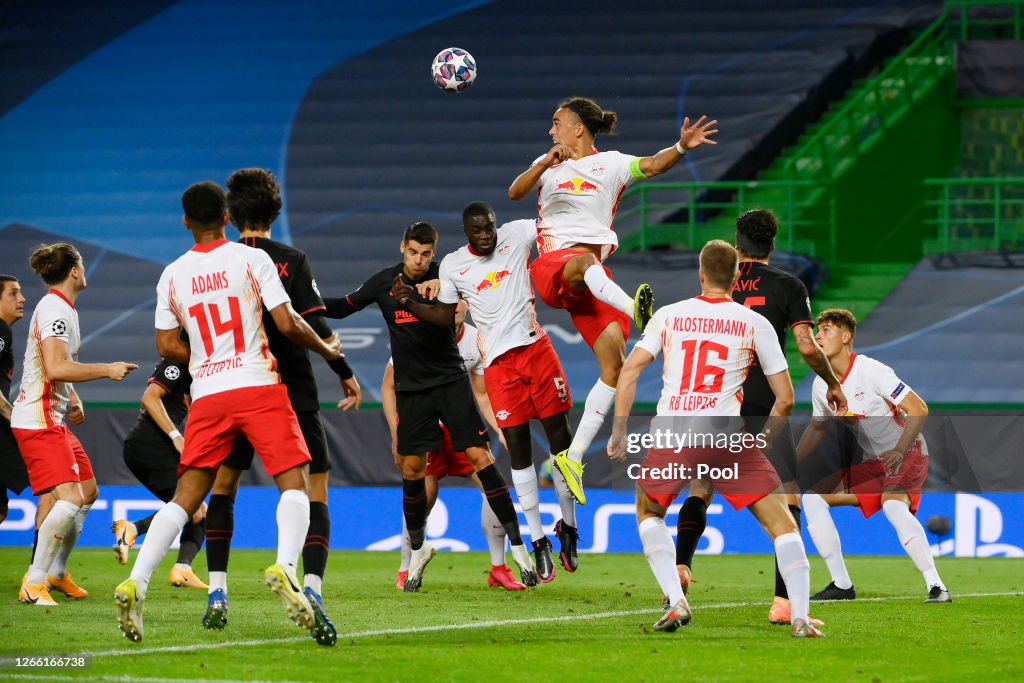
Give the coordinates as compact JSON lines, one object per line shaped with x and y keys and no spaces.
{"x":414,"y":505}
{"x":500,"y":501}
{"x":780,"y":584}
{"x":220,"y":526}
{"x":191,"y":540}
{"x":142,"y":525}
{"x":318,"y":538}
{"x":693,"y":517}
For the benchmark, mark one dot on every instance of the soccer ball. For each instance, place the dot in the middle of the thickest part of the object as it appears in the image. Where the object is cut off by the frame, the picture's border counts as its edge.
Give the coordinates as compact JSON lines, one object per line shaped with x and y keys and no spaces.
{"x":453,"y":69}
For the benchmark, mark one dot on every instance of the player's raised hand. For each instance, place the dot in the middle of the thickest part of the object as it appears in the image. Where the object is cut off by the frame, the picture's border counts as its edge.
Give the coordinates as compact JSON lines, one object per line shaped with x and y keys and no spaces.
{"x":429,"y":289}
{"x":558,"y":154}
{"x":400,"y":291}
{"x":691,"y":137}
{"x":353,"y":394}
{"x":119,"y":370}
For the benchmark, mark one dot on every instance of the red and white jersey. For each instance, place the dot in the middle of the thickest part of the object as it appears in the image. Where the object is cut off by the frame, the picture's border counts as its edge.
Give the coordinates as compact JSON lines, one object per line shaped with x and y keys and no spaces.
{"x":497,"y":288}
{"x":217,"y":292}
{"x":577,"y":200}
{"x":709,"y":345}
{"x":873,"y":395}
{"x":42,"y":403}
{"x":467,"y":349}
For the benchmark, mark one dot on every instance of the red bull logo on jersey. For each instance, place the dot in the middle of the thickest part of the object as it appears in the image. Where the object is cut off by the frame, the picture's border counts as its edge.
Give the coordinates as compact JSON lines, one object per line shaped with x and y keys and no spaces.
{"x":492,"y":280}
{"x":578,"y":185}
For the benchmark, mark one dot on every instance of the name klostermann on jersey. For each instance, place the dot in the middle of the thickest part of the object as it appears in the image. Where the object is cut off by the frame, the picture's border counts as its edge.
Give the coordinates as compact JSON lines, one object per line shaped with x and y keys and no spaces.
{"x":688,"y":323}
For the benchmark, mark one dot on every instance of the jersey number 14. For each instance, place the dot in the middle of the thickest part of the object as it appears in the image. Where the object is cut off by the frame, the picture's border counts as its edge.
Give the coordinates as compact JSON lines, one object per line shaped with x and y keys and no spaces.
{"x":220,"y":327}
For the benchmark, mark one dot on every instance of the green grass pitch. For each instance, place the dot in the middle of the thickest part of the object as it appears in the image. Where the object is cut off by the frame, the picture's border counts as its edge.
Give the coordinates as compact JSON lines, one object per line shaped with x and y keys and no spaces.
{"x":592,"y":625}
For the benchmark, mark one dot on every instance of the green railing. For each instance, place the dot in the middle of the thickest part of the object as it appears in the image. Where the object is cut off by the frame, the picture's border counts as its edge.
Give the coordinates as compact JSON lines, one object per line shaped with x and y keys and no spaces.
{"x":976,"y":214}
{"x":880,"y":102}
{"x":984,"y":19}
{"x":709,"y":209}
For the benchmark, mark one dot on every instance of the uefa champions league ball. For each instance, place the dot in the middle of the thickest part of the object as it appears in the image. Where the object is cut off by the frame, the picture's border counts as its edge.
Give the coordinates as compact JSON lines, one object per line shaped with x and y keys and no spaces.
{"x":453,"y":69}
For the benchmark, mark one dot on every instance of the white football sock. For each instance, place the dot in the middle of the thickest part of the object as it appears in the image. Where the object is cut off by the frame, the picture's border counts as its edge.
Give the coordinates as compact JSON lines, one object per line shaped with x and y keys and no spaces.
{"x":218,"y":580}
{"x":602,"y":287}
{"x":166,"y":526}
{"x":59,"y":522}
{"x":565,"y":500}
{"x":525,"y":482}
{"x":313,"y":581}
{"x":598,"y":406}
{"x":406,"y":548}
{"x":796,"y":572}
{"x":292,"y":526}
{"x":494,"y":532}
{"x":826,"y":538}
{"x":59,"y":567}
{"x":914,"y":541}
{"x":661,"y":556}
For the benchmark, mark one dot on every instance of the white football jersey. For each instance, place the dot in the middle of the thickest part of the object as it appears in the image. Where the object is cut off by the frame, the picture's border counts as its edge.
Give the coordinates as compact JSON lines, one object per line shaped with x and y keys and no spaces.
{"x":577,"y":200}
{"x":873,"y":395}
{"x":217,"y":292}
{"x":497,"y":288}
{"x":709,"y":345}
{"x":42,"y":403}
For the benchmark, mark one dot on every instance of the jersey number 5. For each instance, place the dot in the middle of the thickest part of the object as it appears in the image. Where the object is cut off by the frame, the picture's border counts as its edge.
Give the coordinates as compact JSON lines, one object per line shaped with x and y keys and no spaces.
{"x":708,"y":378}
{"x":220,"y":327}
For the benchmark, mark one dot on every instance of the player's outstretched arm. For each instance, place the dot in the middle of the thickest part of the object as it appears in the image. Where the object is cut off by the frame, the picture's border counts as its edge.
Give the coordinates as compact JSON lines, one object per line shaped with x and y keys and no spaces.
{"x":816,"y":359}
{"x":389,"y":403}
{"x":59,"y":369}
{"x":526,"y":182}
{"x":811,"y":438}
{"x":151,"y":401}
{"x":625,"y":394}
{"x":782,"y":386}
{"x":690,"y":137}
{"x":291,"y":325}
{"x":438,"y":313}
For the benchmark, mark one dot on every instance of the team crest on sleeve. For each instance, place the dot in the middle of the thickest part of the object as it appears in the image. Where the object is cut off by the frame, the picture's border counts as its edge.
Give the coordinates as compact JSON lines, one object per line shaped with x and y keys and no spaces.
{"x":59,"y":327}
{"x":2,"y":345}
{"x":315,"y":288}
{"x":172,"y":372}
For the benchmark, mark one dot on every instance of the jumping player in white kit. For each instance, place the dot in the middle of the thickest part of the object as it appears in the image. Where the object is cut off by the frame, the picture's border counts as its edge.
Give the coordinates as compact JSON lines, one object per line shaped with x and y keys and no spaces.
{"x":578,"y":191}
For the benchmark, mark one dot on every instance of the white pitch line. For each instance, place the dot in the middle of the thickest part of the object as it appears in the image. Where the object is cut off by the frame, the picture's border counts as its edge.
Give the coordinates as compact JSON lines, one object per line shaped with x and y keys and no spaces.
{"x":489,"y":624}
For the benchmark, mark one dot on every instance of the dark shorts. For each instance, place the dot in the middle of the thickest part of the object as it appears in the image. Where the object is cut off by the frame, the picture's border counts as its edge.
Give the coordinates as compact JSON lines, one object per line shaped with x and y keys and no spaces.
{"x":154,"y":464}
{"x":13,"y":474}
{"x":312,"y":428}
{"x":453,"y":404}
{"x":782,"y":456}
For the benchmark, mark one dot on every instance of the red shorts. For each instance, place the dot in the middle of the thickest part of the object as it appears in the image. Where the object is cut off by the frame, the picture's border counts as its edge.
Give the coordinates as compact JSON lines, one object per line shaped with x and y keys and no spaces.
{"x":743,"y":478}
{"x":448,"y":461}
{"x":527,"y":382}
{"x":870,"y":479}
{"x":589,"y":315}
{"x":52,"y":456}
{"x":263,"y":414}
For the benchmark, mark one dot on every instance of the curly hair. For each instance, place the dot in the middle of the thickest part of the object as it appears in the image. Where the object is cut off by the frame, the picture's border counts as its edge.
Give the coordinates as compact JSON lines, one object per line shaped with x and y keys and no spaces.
{"x":755,"y":233}
{"x":254,"y":198}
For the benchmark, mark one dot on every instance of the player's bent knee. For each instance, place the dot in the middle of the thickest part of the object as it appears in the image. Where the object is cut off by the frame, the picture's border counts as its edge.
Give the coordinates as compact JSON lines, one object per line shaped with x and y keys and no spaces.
{"x":480,"y":457}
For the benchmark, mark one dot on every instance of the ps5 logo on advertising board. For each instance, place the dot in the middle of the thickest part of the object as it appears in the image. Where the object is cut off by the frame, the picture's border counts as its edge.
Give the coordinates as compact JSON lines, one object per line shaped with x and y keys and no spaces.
{"x":977,"y":527}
